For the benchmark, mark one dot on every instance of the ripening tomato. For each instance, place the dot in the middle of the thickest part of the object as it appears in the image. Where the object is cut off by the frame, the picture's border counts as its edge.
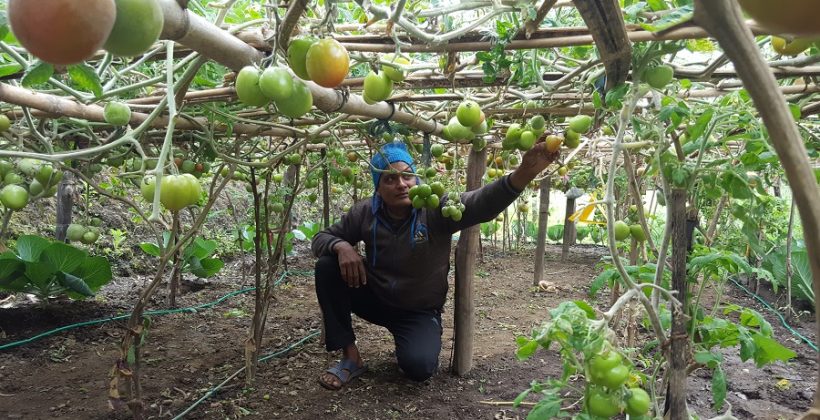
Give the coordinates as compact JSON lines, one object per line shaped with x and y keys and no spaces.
{"x":327,"y":63}
{"x":62,"y":31}
{"x":799,"y":17}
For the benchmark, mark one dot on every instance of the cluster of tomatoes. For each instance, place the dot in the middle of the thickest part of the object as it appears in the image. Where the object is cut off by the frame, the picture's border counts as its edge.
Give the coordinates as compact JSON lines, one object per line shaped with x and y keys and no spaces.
{"x":378,"y":86}
{"x":77,"y":29}
{"x":607,"y":393}
{"x":624,"y":230}
{"x":86,"y":234}
{"x":26,"y":179}
{"x":189,"y":166}
{"x":468,"y":123}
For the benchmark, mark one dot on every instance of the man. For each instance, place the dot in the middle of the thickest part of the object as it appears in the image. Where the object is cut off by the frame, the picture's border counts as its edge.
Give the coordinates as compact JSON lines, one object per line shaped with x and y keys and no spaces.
{"x":402,"y":282}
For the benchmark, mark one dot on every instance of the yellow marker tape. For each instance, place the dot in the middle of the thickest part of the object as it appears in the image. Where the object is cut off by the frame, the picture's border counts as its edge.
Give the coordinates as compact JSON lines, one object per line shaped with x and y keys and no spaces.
{"x":586,"y":212}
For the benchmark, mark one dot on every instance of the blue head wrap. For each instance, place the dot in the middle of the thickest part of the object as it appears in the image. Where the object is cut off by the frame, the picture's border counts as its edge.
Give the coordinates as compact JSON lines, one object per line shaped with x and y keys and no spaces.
{"x":390,"y":153}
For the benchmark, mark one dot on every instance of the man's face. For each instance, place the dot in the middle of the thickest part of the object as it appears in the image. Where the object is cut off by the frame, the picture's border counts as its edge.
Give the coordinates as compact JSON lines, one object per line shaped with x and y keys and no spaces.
{"x":395,"y":185}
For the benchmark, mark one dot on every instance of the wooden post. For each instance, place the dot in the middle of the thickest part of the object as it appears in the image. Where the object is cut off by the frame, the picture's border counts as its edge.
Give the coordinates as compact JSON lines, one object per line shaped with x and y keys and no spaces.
{"x":465,"y":271}
{"x":543,"y":221}
{"x":65,"y":202}
{"x":676,"y":394}
{"x":569,"y":229}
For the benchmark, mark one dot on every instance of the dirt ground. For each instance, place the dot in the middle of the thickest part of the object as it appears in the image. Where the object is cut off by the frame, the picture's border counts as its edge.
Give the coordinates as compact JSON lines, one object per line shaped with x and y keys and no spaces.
{"x":66,"y":375}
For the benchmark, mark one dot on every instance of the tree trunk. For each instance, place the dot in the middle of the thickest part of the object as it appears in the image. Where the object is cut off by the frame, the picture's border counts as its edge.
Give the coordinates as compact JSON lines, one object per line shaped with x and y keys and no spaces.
{"x":569,"y":230}
{"x":543,"y":221}
{"x":676,"y":395}
{"x":465,"y":271}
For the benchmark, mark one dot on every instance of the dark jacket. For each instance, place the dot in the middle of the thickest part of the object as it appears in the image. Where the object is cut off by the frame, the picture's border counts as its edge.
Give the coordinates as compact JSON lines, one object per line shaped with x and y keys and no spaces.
{"x":408,"y":261}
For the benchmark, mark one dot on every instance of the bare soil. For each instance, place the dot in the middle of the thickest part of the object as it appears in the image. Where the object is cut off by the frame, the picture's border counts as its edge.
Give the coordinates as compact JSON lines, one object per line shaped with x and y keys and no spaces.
{"x":65,"y":375}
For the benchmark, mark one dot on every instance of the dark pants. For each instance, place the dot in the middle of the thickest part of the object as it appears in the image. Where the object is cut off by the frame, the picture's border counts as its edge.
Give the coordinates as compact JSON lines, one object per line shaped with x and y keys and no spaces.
{"x":417,"y":333}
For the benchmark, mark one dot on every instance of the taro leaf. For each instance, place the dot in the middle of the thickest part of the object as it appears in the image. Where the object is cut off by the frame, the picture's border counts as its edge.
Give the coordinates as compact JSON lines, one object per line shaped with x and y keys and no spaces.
{"x":84,"y":76}
{"x":802,"y":274}
{"x":95,"y":272}
{"x":37,"y":74}
{"x":10,"y":267}
{"x":62,"y":256}
{"x":298,"y":234}
{"x":74,"y":284}
{"x":200,"y":249}
{"x":29,"y":247}
{"x":205,"y":267}
{"x":718,"y":388}
{"x":40,"y":273}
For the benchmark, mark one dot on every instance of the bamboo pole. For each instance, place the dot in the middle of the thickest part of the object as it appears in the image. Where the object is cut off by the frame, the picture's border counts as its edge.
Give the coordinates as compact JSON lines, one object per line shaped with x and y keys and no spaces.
{"x":569,"y":229}
{"x":465,"y":271}
{"x":676,"y":396}
{"x":723,"y":20}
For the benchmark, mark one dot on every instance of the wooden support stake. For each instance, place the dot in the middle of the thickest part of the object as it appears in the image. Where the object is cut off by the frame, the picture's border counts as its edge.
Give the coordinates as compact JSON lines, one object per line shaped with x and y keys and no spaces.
{"x":543,"y":221}
{"x":465,"y":271}
{"x":65,"y":202}
{"x":678,"y":351}
{"x":325,"y":191}
{"x":569,"y":229}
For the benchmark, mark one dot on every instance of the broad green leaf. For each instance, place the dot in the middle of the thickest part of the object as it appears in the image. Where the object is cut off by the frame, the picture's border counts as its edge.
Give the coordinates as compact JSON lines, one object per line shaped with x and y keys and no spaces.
{"x":63,"y":256}
{"x":37,"y":74}
{"x":75,"y":284}
{"x":200,"y":248}
{"x":29,"y":247}
{"x":85,"y":77}
{"x":718,"y":388}
{"x":802,"y":277}
{"x":769,"y":350}
{"x":708,"y":358}
{"x":298,"y":234}
{"x":10,"y":267}
{"x":95,"y":272}
{"x":150,"y":249}
{"x":206,"y":267}
{"x":40,"y":273}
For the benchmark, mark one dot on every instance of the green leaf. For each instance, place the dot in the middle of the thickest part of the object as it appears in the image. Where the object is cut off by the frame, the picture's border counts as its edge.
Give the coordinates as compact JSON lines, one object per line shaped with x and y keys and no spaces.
{"x":95,"y":272}
{"x":718,"y":388}
{"x":4,"y":25}
{"x":527,"y":350}
{"x":520,"y":398}
{"x":40,"y":273}
{"x":75,"y":284}
{"x":205,"y":267}
{"x":9,"y":69}
{"x":708,"y":358}
{"x":769,"y":350}
{"x":586,"y":308}
{"x":200,"y":248}
{"x":63,"y":256}
{"x":546,"y":409}
{"x":29,"y":247}
{"x":668,"y":20}
{"x":38,"y":74}
{"x":694,"y":132}
{"x":795,"y":110}
{"x":150,"y":249}
{"x":86,"y":78}
{"x":596,"y":100}
{"x":10,"y":267}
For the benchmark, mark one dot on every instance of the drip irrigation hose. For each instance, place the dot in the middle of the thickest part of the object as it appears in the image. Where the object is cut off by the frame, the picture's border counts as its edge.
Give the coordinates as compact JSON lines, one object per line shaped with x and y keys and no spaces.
{"x":774,"y":311}
{"x":266,"y":357}
{"x":190,"y":309}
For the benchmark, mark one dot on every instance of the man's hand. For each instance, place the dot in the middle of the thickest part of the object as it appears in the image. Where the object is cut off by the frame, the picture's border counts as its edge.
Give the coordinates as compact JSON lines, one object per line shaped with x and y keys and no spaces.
{"x":351,"y":264}
{"x":533,"y":162}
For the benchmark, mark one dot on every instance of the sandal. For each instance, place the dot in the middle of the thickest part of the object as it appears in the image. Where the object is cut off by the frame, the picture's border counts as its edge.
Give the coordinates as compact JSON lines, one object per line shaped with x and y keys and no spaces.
{"x":346,"y":370}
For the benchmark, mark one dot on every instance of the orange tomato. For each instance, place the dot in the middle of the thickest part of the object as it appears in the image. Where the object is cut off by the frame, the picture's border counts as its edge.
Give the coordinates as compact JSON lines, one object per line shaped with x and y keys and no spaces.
{"x":327,"y":63}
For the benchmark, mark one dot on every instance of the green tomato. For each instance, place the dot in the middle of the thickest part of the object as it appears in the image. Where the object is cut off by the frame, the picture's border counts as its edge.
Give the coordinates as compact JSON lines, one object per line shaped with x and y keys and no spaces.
{"x":5,"y":123}
{"x":147,"y":188}
{"x":425,"y":190}
{"x":276,"y":83}
{"x":117,"y":114}
{"x":580,"y":123}
{"x":179,"y":191}
{"x":418,"y":202}
{"x":437,"y":188}
{"x":5,"y":168}
{"x":75,"y":232}
{"x":603,"y":362}
{"x":433,"y":201}
{"x":637,"y":402}
{"x":615,"y":377}
{"x":14,"y":197}
{"x":601,"y":403}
